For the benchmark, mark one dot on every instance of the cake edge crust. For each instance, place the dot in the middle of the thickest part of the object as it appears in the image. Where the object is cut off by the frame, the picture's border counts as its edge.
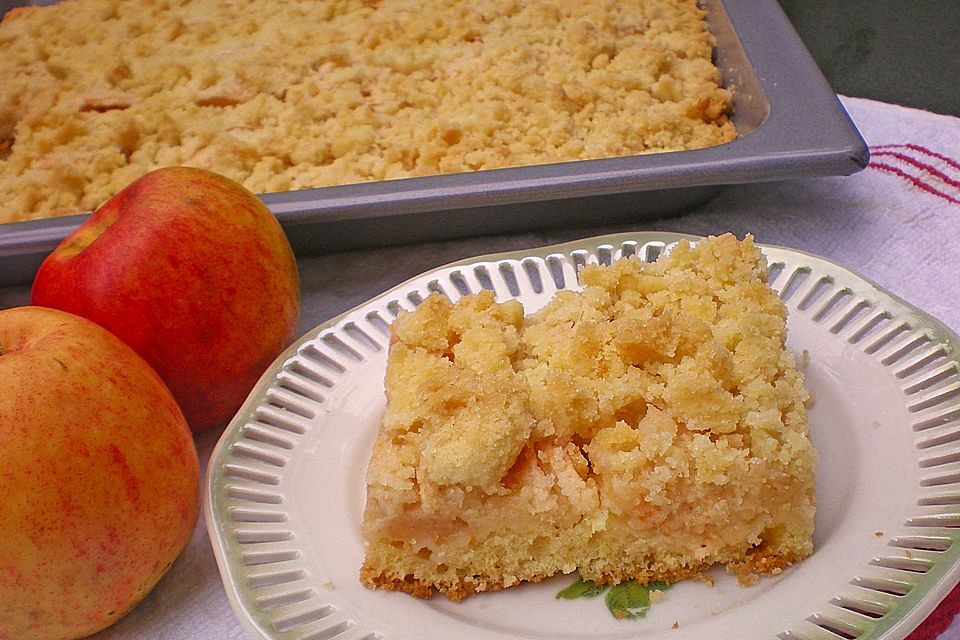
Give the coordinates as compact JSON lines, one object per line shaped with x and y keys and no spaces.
{"x":746,"y":572}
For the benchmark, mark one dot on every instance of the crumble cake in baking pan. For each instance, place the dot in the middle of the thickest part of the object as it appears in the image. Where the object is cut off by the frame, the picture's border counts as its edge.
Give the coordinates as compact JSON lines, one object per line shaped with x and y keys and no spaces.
{"x":291,"y":95}
{"x":647,"y":427}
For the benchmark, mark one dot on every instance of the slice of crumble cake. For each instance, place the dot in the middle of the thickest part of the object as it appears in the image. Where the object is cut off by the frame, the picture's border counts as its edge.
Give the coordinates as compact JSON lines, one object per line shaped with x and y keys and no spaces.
{"x":647,"y":427}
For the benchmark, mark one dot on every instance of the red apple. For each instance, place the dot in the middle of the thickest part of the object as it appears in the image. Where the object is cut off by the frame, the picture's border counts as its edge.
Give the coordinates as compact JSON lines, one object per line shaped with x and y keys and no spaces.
{"x":98,"y":476}
{"x":192,"y":271}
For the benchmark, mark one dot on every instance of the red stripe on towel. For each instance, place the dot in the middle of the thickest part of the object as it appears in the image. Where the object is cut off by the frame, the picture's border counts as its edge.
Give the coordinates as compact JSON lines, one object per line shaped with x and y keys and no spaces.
{"x":914,"y":180}
{"x":920,"y":165}
{"x":941,"y":618}
{"x":927,"y":152}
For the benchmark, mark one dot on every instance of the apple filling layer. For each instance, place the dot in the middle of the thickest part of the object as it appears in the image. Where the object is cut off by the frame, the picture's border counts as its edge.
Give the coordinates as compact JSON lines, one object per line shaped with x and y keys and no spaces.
{"x":647,"y":427}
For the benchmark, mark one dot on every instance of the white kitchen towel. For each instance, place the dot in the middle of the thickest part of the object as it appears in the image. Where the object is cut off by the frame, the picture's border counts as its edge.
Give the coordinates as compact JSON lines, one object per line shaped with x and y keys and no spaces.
{"x":897,"y":223}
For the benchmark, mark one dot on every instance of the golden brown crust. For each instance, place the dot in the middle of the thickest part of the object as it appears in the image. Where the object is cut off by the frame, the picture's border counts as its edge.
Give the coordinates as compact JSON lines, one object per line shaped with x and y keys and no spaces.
{"x":373,"y":579}
{"x":761,"y":564}
{"x":746,"y":573}
{"x":423,"y":589}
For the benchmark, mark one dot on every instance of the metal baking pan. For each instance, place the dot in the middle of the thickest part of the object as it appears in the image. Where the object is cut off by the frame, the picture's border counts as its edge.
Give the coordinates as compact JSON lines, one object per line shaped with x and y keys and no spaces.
{"x":789,"y":121}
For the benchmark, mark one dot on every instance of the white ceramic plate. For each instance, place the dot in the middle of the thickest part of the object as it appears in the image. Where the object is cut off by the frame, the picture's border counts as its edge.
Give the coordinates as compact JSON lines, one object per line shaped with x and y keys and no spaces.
{"x":285,"y":486}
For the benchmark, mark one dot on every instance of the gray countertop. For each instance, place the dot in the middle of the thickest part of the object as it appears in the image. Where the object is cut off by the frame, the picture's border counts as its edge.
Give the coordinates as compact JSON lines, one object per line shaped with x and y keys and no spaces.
{"x":888,"y":50}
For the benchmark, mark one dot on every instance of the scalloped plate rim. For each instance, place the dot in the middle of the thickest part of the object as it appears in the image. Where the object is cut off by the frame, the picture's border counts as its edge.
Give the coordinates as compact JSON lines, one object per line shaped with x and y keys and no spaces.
{"x":899,"y":627}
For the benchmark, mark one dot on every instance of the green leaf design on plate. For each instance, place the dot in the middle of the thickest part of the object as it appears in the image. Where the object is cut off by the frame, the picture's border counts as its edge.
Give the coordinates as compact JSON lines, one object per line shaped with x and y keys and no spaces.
{"x":626,"y":601}
{"x":582,"y":589}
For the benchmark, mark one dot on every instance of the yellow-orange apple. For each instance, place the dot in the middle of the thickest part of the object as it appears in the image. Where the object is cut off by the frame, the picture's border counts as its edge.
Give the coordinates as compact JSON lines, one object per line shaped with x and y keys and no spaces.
{"x":192,"y":271}
{"x":98,"y":476}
